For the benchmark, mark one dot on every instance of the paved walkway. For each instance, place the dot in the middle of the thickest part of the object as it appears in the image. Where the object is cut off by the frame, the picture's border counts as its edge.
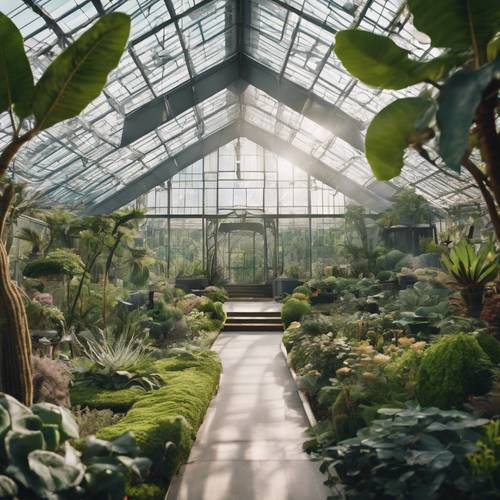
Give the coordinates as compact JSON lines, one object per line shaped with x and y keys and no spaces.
{"x":250,"y":444}
{"x":252,"y":306}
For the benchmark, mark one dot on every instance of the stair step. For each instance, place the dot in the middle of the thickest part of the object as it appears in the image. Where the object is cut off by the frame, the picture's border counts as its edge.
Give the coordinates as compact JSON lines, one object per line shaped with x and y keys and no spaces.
{"x":254,"y":319}
{"x":245,"y":327}
{"x":238,"y":314}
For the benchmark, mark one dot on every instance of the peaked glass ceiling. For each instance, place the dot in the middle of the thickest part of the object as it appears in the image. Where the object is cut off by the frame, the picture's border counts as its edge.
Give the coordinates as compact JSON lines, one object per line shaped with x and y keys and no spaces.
{"x":178,"y":43}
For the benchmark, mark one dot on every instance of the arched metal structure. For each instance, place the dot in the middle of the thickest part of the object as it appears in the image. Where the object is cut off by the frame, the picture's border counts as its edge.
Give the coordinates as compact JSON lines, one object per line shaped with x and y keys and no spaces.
{"x":197,"y":72}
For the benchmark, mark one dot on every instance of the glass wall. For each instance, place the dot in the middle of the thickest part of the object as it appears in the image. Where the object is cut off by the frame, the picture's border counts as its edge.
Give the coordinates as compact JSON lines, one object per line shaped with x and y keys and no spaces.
{"x":242,"y":179}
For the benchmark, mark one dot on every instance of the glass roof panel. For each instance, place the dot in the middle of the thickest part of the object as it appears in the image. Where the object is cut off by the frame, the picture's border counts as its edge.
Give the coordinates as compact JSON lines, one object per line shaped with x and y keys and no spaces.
{"x":172,"y":43}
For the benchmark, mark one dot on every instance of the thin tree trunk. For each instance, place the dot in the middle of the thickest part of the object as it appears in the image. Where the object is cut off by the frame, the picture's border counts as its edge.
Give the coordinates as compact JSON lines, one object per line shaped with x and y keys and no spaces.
{"x":109,"y":261}
{"x":15,"y":340}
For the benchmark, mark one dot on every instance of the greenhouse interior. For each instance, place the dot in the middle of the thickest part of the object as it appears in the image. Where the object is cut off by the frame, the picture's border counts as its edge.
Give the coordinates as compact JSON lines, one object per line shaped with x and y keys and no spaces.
{"x":249,"y":249}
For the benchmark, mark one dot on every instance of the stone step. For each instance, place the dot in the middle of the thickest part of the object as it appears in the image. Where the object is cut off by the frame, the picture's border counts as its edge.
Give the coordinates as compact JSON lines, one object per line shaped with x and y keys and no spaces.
{"x":253,"y":327}
{"x":255,"y":319}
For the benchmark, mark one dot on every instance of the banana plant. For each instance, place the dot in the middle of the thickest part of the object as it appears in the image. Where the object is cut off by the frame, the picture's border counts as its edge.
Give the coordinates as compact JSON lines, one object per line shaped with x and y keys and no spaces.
{"x":458,"y":109}
{"x":472,"y":271}
{"x":71,"y":82}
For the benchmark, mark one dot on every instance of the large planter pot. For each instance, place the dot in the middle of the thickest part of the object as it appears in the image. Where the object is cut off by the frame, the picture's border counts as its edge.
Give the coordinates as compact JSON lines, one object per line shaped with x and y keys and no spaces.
{"x":323,"y":298}
{"x":474,"y":300}
{"x":189,"y":283}
{"x":284,"y":286}
{"x":389,"y":286}
{"x":406,"y":280}
{"x":48,"y":334}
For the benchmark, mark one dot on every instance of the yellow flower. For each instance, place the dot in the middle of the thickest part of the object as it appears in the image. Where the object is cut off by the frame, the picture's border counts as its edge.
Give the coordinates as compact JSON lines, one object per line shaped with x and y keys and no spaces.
{"x":369,"y":376}
{"x":381,"y":359}
{"x":294,"y":325}
{"x":364,"y":348}
{"x":343,"y":371}
{"x":418,"y":346}
{"x":406,"y":341}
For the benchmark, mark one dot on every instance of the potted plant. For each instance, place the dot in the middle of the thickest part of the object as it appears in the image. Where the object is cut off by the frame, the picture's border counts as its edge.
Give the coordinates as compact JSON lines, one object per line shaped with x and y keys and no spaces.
{"x":472,"y":271}
{"x":387,"y":280}
{"x":287,"y":282}
{"x":46,"y":323}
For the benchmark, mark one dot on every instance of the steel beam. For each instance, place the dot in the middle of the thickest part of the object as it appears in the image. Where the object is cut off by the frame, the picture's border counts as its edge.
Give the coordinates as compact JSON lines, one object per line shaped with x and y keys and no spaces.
{"x":169,"y":105}
{"x":166,"y":170}
{"x":316,"y":168}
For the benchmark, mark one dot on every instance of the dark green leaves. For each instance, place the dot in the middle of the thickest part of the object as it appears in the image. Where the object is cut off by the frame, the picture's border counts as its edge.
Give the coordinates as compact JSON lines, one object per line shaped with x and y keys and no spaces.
{"x":16,"y":80}
{"x":458,"y":102}
{"x":450,"y":23}
{"x":78,"y":75}
{"x":390,"y":133}
{"x":377,"y":61}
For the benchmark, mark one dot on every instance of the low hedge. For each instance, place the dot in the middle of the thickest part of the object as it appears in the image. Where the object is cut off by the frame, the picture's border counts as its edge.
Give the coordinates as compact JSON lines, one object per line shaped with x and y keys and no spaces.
{"x":172,"y":413}
{"x":101,"y":399}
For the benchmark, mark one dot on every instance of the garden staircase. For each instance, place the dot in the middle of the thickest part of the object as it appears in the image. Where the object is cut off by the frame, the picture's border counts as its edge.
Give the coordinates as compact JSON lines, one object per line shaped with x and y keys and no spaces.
{"x":254,"y":321}
{"x":249,"y":292}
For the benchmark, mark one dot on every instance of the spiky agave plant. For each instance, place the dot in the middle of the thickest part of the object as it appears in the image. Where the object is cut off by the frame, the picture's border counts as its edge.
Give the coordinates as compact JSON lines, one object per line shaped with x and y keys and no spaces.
{"x":472,"y":271}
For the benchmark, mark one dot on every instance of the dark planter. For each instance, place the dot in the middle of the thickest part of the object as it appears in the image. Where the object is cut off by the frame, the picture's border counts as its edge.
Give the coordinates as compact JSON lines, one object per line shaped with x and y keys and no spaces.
{"x":189,"y":283}
{"x":48,"y":334}
{"x":388,"y":286}
{"x":284,"y":286}
{"x":323,"y":298}
{"x":474,"y":300}
{"x":406,"y":280}
{"x":423,"y":327}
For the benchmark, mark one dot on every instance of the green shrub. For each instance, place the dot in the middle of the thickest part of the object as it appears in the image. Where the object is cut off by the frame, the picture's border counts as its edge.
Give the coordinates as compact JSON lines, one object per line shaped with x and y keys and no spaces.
{"x":390,"y":259}
{"x":385,"y":275}
{"x":101,"y":399}
{"x":490,"y":346}
{"x":162,"y":312}
{"x":216,"y":294}
{"x":293,"y":310}
{"x":145,"y":491}
{"x":172,"y":413}
{"x":402,"y":372}
{"x":56,"y":263}
{"x":451,"y":370}
{"x":214,"y":309}
{"x":316,"y":325}
{"x":406,"y":261}
{"x":303,"y":290}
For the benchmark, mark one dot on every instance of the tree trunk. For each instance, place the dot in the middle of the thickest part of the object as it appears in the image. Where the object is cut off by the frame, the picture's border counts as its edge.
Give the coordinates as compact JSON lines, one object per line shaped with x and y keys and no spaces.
{"x":15,"y":341}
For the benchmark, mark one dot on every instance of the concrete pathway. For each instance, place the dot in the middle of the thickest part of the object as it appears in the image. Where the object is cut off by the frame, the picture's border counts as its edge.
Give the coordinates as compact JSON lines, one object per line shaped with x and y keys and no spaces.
{"x":252,"y":306}
{"x":250,"y":444}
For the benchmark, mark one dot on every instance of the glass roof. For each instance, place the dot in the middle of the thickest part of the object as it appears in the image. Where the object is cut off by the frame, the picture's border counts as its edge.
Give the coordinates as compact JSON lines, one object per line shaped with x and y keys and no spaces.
{"x":177,"y":42}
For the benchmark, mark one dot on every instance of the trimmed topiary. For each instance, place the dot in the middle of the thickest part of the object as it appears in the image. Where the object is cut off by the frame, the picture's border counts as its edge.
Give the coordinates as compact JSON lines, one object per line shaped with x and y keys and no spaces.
{"x":293,"y":310}
{"x":385,"y":275}
{"x":490,"y":346}
{"x":452,"y":369}
{"x":303,"y":290}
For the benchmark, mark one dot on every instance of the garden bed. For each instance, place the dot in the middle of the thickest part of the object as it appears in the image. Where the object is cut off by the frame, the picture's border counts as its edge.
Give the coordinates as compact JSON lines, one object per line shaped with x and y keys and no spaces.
{"x":165,"y":421}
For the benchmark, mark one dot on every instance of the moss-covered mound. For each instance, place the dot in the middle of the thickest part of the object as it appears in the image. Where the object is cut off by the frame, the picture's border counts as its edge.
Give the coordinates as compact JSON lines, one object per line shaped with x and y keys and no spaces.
{"x":452,"y":369}
{"x":164,"y":422}
{"x":101,"y":399}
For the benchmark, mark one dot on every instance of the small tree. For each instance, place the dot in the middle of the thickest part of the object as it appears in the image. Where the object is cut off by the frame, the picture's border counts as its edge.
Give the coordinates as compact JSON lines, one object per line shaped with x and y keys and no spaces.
{"x":73,"y":80}
{"x":458,"y":110}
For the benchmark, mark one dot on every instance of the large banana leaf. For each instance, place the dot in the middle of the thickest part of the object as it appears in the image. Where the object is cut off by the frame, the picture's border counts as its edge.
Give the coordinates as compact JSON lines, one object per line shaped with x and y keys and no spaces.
{"x":390,"y":133}
{"x":458,"y":101}
{"x":451,"y":23}
{"x":16,"y":79}
{"x":78,"y":75}
{"x":377,"y":61}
